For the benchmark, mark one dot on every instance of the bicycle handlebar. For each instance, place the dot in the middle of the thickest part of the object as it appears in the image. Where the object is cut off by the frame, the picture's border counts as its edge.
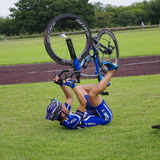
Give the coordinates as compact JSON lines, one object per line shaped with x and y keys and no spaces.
{"x":77,"y":73}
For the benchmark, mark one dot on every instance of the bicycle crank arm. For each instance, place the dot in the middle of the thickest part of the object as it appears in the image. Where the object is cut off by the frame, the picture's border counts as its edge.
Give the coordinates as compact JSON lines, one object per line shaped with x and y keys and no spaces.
{"x":105,"y":93}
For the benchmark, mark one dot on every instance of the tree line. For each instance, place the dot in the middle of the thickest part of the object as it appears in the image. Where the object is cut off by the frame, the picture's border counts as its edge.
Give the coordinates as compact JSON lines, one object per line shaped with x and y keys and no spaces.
{"x":32,"y":16}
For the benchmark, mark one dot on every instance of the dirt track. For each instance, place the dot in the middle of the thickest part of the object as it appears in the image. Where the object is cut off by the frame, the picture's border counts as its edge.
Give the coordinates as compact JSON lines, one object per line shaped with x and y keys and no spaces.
{"x":30,"y":73}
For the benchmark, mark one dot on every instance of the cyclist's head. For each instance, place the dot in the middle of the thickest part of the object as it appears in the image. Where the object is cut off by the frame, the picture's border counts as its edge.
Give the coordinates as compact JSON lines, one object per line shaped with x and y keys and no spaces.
{"x":54,"y":110}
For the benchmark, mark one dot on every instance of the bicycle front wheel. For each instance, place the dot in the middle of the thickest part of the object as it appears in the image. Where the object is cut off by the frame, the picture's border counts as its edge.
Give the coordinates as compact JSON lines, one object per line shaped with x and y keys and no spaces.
{"x":61,"y":28}
{"x":107,"y":46}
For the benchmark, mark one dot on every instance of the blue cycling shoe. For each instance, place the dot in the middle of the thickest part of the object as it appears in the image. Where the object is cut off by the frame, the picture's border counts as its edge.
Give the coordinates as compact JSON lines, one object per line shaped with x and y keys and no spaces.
{"x":108,"y":66}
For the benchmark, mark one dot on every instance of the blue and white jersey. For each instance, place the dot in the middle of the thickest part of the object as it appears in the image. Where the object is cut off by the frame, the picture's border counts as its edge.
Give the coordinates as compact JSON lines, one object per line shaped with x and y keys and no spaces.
{"x":72,"y":121}
{"x":93,"y":116}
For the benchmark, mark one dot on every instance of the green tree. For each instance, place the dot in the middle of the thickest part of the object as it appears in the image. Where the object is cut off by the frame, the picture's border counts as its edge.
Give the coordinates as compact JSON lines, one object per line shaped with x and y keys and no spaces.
{"x":32,"y":16}
{"x":7,"y":27}
{"x":104,"y":19}
{"x":153,"y":10}
{"x":126,"y":18}
{"x":131,"y":16}
{"x":105,"y":16}
{"x":98,"y":7}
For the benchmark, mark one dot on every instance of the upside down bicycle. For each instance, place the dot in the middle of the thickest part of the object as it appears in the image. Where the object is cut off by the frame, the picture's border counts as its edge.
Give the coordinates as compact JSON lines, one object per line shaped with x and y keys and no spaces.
{"x":68,"y":41}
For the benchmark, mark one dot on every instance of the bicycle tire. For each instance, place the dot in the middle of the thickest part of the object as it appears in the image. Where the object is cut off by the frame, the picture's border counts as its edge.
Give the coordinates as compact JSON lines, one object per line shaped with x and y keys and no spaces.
{"x":67,"y":26}
{"x":108,"y":39}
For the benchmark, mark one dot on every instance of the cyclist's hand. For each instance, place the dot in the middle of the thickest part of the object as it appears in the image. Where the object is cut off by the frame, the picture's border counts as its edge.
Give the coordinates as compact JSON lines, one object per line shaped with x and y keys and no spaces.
{"x":70,"y":83}
{"x":58,"y":81}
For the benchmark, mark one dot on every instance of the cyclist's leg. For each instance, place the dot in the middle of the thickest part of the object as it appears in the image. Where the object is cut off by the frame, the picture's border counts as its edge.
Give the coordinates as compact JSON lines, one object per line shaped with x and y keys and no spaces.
{"x":93,"y":94}
{"x":101,"y":115}
{"x":86,"y":88}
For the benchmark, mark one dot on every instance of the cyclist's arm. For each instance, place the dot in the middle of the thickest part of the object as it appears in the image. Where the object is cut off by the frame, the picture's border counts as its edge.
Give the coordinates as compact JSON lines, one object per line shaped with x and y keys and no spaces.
{"x":66,"y":91}
{"x":68,"y":94}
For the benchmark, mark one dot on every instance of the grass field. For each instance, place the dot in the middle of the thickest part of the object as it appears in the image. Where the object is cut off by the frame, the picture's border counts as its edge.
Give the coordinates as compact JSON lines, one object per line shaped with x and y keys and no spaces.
{"x":131,"y":43}
{"x":26,"y":135}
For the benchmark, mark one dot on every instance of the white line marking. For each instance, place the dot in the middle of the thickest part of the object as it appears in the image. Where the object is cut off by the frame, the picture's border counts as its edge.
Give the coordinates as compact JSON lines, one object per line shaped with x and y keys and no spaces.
{"x":32,"y":72}
{"x":130,"y":64}
{"x":47,"y":71}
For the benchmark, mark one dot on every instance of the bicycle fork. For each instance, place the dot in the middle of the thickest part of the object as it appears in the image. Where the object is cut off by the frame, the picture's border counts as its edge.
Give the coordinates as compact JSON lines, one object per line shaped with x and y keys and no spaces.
{"x":76,"y":63}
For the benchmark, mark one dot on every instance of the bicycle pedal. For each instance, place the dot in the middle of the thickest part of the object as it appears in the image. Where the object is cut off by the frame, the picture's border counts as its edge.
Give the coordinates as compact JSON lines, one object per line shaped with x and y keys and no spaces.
{"x":105,"y":93}
{"x":156,"y":126}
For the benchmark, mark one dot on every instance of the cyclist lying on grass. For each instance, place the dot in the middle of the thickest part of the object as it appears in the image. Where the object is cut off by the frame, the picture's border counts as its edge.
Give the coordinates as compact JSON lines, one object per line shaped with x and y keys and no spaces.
{"x":92,"y":109}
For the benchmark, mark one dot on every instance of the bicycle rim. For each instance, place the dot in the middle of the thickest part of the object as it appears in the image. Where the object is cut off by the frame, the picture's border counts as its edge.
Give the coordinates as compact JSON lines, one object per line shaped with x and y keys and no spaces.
{"x":107,"y":38}
{"x":61,"y":28}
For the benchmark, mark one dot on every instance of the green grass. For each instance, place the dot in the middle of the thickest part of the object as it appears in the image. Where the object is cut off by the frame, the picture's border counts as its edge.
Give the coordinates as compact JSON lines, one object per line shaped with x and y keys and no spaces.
{"x":23,"y":51}
{"x":131,"y":43}
{"x":25,"y":134}
{"x":138,"y":43}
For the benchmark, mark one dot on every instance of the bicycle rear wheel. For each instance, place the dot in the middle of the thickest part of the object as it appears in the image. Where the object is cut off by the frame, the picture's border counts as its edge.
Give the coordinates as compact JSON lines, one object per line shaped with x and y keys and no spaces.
{"x":107,"y":46}
{"x":61,"y":28}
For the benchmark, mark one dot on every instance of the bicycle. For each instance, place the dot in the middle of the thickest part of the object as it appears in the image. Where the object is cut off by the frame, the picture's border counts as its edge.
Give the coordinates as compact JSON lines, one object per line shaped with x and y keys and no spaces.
{"x":68,"y":41}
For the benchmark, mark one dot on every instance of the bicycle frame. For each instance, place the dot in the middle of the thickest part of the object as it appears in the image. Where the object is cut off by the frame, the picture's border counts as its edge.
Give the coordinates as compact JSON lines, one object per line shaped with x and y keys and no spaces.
{"x":79,"y":65}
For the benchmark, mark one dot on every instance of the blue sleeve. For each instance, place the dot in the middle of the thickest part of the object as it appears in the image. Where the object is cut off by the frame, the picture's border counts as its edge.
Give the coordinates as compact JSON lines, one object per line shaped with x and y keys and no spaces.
{"x":68,"y":106}
{"x":72,"y":121}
